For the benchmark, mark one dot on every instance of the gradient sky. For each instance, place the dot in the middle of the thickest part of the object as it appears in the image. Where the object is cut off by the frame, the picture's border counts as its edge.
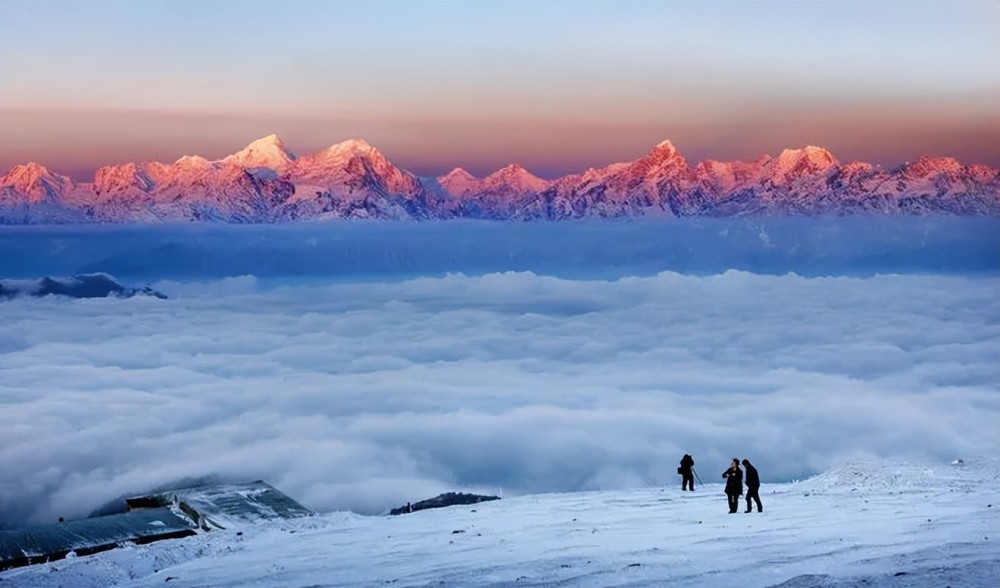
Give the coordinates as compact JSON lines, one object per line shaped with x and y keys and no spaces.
{"x":555,"y":86}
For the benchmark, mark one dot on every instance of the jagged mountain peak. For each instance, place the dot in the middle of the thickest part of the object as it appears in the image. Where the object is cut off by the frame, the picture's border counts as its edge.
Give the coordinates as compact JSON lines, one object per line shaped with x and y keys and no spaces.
{"x":663,"y":151}
{"x":116,"y":170}
{"x":811,"y":152}
{"x":351,"y":179}
{"x":121,"y":177}
{"x":665,"y":147}
{"x":28,"y":170}
{"x":926,"y":165}
{"x":661,"y":163}
{"x":272,"y":139}
{"x":269,"y":152}
{"x":515,"y":170}
{"x":192,"y":161}
{"x":459,"y":182}
{"x":35,"y":182}
{"x":339,"y":155}
{"x":664,"y":154}
{"x":457,"y":173}
{"x":26,"y":176}
{"x":517,"y":177}
{"x":805,"y":161}
{"x":350,"y":147}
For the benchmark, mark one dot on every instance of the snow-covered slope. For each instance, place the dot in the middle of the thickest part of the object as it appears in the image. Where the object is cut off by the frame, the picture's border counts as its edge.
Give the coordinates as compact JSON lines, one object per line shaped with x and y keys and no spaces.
{"x":268,"y":153}
{"x":30,"y":194}
{"x":459,"y":183}
{"x":267,"y":182}
{"x":501,"y":195}
{"x":652,"y":185}
{"x":867,"y":523}
{"x":352,"y":179}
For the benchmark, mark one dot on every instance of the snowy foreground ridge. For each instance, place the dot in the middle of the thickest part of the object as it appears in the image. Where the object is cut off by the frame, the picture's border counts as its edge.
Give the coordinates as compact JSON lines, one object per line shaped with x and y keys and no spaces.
{"x":864,"y":524}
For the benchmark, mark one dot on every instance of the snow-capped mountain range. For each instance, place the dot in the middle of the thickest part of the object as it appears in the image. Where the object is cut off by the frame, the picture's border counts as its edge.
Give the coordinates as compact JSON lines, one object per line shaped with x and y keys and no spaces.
{"x":267,"y":182}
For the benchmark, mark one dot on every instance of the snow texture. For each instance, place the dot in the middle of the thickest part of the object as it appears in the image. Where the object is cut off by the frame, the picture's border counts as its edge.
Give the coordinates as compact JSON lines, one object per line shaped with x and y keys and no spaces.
{"x":869,"y":523}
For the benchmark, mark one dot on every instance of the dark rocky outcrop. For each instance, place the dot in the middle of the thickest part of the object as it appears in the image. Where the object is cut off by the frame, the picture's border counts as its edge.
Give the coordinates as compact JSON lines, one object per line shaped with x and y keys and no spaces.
{"x":79,"y":286}
{"x":442,"y":500}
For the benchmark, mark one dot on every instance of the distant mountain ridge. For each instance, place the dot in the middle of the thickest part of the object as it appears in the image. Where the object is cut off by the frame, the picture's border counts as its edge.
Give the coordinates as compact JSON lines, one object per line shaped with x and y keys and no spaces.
{"x":266,"y":182}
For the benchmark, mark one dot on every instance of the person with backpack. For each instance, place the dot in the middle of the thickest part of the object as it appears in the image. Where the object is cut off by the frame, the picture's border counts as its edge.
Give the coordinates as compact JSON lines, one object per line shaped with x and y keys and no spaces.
{"x":687,"y":472}
{"x":753,"y":486}
{"x":734,"y":485}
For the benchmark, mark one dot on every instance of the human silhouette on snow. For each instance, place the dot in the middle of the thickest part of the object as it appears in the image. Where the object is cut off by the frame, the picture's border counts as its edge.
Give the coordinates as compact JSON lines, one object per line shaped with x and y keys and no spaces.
{"x":734,"y":485}
{"x":753,"y":485}
{"x":687,"y":472}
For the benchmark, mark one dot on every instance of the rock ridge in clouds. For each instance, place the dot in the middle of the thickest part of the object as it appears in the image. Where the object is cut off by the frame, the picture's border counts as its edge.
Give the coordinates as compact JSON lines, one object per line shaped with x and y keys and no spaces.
{"x":96,"y":285}
{"x":266,"y":182}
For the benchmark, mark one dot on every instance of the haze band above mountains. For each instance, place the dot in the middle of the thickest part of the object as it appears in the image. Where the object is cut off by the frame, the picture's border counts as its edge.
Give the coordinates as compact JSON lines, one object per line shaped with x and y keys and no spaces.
{"x":266,"y":182}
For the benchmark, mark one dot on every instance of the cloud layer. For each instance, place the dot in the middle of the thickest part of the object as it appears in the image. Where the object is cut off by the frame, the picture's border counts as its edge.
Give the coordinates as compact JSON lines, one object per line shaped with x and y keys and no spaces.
{"x":363,"y":396}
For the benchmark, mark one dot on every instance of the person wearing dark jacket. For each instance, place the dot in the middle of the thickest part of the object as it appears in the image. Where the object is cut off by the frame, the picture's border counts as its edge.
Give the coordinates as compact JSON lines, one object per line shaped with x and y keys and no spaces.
{"x":753,"y":486}
{"x":687,"y":472}
{"x":734,"y":485}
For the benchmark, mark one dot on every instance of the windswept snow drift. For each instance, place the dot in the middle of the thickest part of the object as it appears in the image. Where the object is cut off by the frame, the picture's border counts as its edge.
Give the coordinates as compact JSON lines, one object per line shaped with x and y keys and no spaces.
{"x":868,"y":523}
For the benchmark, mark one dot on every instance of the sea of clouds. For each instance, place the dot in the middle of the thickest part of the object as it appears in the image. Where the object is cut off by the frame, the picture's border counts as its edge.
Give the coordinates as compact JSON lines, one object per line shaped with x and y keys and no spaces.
{"x":368,"y":392}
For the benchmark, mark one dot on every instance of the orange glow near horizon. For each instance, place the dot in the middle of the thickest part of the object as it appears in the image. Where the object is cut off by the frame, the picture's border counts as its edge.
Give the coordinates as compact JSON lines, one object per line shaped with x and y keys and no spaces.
{"x":480,"y":85}
{"x":88,"y":140}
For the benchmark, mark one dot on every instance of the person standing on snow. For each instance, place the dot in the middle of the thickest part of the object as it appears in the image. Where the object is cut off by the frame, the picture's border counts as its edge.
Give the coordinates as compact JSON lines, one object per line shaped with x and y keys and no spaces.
{"x":753,"y":486}
{"x":687,"y":472}
{"x":734,"y":485}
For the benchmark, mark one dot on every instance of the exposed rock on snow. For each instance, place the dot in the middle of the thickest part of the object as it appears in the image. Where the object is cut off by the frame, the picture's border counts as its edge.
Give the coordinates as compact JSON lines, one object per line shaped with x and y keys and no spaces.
{"x":442,"y":500}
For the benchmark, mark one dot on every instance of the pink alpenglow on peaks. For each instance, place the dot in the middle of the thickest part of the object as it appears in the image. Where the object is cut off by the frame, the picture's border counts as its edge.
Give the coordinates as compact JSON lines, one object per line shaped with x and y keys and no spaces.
{"x":925,"y":166}
{"x":665,"y":149}
{"x":506,"y":193}
{"x":352,"y":146}
{"x":122,"y":178}
{"x":663,"y":160}
{"x":516,"y":178}
{"x":35,"y":182}
{"x":795,"y":163}
{"x":337,"y":156}
{"x":192,"y":162}
{"x":350,"y":179}
{"x":267,"y":182}
{"x":269,"y":152}
{"x":459,"y":183}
